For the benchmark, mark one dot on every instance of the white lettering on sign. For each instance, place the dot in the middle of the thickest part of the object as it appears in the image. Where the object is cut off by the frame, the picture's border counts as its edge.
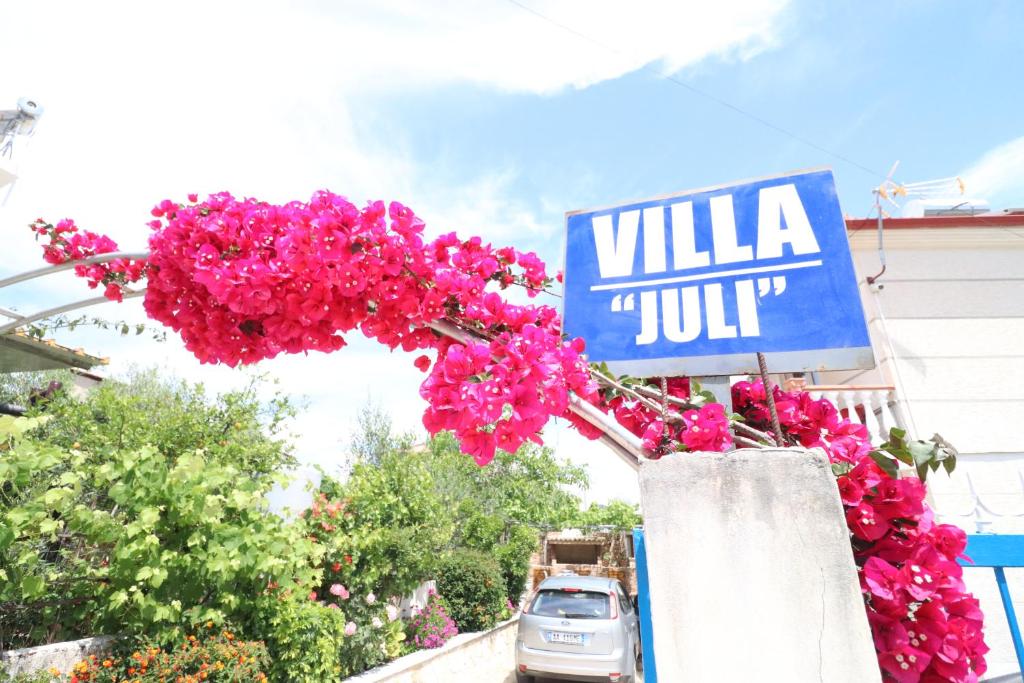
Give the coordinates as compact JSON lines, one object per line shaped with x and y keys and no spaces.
{"x":776,"y":202}
{"x":683,"y":317}
{"x":654,"y":240}
{"x":686,"y":312}
{"x":615,"y":251}
{"x":723,"y":231}
{"x":684,"y":242}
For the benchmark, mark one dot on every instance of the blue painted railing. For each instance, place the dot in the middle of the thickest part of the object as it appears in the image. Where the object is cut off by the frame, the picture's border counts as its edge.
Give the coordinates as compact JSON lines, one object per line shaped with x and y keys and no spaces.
{"x":997,"y":551}
{"x":643,"y":588}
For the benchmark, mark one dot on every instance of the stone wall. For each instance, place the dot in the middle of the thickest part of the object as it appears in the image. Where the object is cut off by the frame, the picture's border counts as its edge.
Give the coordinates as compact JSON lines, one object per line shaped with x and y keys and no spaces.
{"x":484,"y":657}
{"x":59,"y":655}
{"x":750,"y":569}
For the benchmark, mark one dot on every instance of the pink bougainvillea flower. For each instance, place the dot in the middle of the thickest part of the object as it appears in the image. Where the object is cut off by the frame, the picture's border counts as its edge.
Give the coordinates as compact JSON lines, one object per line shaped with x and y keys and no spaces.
{"x":653,"y":435}
{"x":707,"y":429}
{"x":882,"y":579}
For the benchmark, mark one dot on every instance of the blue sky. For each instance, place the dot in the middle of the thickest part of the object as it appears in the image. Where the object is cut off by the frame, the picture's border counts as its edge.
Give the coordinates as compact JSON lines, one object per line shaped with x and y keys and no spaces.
{"x":486,"y":119}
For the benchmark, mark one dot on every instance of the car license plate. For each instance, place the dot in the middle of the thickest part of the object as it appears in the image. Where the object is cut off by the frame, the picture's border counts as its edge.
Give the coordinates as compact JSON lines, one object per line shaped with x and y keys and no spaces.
{"x":566,"y":638}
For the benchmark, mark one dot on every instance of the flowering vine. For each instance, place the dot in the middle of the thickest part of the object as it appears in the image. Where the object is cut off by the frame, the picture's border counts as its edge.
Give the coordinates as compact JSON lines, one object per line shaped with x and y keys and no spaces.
{"x":926,"y":626}
{"x":242,"y":280}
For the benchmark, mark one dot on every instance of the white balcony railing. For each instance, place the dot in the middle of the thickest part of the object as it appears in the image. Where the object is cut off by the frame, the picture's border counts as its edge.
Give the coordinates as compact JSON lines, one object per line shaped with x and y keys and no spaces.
{"x":873,"y":406}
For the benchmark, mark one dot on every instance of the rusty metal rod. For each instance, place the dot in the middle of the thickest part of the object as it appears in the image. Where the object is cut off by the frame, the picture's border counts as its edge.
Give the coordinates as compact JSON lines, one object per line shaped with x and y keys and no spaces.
{"x":769,"y":391}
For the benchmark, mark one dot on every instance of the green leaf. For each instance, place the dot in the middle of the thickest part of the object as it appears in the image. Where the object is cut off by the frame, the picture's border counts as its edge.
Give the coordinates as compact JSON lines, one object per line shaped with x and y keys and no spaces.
{"x":32,"y":586}
{"x":49,"y":526}
{"x":54,"y":497}
{"x":922,"y":472}
{"x":886,"y":463}
{"x":840,"y":468}
{"x":148,"y":517}
{"x":159,"y":576}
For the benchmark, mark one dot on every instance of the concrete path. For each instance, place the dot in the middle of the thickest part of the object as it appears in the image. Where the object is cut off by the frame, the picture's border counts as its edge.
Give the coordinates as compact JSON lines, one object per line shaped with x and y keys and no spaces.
{"x":639,"y":679}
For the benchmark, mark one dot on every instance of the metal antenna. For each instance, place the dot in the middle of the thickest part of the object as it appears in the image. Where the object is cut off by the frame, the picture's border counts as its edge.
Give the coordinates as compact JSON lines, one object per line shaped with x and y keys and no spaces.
{"x":14,"y":122}
{"x":886,"y":191}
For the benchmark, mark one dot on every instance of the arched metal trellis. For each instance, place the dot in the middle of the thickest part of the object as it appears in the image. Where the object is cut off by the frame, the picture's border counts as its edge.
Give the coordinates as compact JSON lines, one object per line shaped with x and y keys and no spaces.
{"x":622,"y":442}
{"x":19,"y":320}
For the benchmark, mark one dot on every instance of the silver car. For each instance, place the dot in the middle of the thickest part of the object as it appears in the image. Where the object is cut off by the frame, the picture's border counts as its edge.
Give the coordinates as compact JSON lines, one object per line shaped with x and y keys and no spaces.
{"x":580,"y":628}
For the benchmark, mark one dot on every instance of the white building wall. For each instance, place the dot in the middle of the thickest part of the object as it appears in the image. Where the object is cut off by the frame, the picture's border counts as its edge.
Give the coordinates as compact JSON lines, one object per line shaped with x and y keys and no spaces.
{"x":947,"y":326}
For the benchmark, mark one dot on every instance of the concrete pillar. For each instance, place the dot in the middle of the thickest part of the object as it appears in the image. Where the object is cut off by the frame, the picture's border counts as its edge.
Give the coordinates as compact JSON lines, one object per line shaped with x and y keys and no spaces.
{"x":751,"y":572}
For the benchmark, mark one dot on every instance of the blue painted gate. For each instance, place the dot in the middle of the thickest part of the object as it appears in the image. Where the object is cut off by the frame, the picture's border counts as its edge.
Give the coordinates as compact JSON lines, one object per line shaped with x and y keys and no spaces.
{"x":644,"y":605}
{"x":997,"y":551}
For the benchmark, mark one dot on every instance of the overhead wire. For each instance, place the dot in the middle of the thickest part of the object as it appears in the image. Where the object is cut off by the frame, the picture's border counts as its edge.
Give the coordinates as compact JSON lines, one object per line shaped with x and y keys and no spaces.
{"x":703,"y":93}
{"x":724,"y":103}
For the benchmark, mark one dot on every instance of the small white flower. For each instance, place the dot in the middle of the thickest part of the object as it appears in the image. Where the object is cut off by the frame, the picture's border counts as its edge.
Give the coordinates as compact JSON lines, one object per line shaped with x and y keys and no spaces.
{"x":371,"y":598}
{"x":376,"y":622}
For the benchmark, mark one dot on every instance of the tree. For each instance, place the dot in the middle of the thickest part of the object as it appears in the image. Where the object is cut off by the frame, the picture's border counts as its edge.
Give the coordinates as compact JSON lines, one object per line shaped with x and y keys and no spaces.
{"x":142,"y":507}
{"x":174,"y":417}
{"x":383,"y":528}
{"x":530,"y":486}
{"x":501,"y":509}
{"x":374,"y":437}
{"x":134,"y":541}
{"x":617,"y":514}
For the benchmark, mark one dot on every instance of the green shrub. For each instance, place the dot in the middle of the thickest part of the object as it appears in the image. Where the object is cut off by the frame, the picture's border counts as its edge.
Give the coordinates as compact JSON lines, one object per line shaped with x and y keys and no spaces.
{"x":513,"y":557}
{"x":472,"y":585}
{"x":133,"y":542}
{"x":382,"y":529}
{"x":34,"y":677}
{"x":305,"y":640}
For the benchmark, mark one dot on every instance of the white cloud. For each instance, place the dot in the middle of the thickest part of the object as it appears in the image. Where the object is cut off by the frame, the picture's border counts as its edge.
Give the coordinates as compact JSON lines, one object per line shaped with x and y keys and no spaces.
{"x":146,"y":101}
{"x":509,"y":47}
{"x":998,"y":176}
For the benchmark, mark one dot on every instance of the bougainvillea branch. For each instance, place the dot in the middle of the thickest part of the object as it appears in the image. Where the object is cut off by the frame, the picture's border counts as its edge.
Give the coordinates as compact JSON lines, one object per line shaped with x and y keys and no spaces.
{"x":243,"y":280}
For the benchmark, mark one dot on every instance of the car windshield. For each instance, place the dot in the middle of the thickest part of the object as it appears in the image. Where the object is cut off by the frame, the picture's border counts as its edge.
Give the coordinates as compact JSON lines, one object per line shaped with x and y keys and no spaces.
{"x":571,"y":604}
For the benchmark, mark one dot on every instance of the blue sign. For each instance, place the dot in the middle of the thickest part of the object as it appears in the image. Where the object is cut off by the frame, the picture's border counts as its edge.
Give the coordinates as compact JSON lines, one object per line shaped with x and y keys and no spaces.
{"x":698,"y":283}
